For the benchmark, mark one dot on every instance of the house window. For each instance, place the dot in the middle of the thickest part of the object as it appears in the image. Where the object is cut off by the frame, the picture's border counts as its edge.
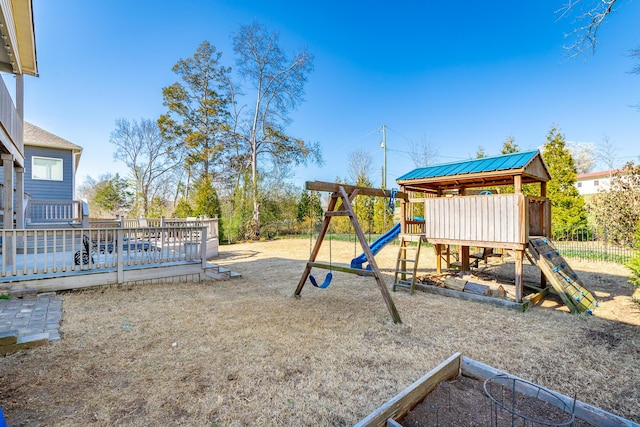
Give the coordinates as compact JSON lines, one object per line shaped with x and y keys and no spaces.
{"x":596,"y":183}
{"x":46,"y":168}
{"x":579,"y":184}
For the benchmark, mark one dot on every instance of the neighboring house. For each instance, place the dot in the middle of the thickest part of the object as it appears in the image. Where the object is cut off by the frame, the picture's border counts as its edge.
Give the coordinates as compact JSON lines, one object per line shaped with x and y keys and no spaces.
{"x":591,"y":183}
{"x":50,"y":165}
{"x":17,"y":58}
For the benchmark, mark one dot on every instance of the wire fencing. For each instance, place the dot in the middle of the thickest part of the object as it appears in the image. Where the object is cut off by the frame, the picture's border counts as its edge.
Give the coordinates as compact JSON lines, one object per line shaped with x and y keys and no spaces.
{"x":590,"y":244}
{"x":584,"y":243}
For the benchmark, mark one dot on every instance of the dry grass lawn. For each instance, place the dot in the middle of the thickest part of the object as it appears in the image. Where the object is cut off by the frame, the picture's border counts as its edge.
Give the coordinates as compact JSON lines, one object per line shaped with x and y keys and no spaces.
{"x":244,"y":352}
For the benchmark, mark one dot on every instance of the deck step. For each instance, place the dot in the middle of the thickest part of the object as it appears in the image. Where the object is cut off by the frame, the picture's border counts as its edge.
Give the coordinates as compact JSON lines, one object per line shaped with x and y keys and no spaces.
{"x":217,"y":272}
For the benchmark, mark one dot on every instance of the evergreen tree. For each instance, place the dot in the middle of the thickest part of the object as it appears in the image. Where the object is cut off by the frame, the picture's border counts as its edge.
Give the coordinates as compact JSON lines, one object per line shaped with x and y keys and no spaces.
{"x":113,"y":195}
{"x":183,"y":209}
{"x":197,"y":108}
{"x":509,"y":146}
{"x":567,"y":204}
{"x":207,"y":204}
{"x":309,"y":206}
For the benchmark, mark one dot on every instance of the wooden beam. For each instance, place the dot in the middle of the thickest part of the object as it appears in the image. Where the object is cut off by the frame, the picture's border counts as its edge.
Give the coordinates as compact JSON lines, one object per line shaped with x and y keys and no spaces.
{"x":464,"y":258}
{"x":341,"y":268}
{"x":519,"y":273}
{"x":478,"y":243}
{"x":402,"y":403}
{"x":364,"y":191}
{"x":517,"y":183}
{"x":370,"y":258}
{"x":536,"y":298}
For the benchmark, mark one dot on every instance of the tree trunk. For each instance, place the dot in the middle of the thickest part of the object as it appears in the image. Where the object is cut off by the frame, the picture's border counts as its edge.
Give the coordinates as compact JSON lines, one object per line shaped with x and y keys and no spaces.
{"x":254,"y":226}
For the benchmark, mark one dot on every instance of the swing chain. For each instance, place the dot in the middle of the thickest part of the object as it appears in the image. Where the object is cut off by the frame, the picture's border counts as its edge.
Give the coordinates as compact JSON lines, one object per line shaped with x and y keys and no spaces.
{"x":392,"y":199}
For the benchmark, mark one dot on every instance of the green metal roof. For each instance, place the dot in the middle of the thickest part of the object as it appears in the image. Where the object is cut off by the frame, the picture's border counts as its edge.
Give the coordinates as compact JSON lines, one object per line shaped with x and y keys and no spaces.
{"x":472,"y":166}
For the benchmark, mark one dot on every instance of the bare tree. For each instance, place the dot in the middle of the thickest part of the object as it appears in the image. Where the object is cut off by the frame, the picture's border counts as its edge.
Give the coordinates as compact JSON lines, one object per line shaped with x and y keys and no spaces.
{"x":360,"y":165}
{"x":151,"y":159}
{"x":589,"y":18}
{"x":608,"y":153}
{"x":86,"y":191}
{"x":423,"y":153}
{"x":583,"y":154}
{"x":277,"y":85}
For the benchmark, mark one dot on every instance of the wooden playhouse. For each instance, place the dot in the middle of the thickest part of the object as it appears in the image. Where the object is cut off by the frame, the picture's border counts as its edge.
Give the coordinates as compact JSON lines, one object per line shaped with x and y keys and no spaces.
{"x":479,"y":203}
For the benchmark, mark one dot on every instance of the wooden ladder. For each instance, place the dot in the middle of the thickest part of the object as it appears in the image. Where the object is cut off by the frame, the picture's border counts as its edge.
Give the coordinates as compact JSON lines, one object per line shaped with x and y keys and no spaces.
{"x":407,"y":263}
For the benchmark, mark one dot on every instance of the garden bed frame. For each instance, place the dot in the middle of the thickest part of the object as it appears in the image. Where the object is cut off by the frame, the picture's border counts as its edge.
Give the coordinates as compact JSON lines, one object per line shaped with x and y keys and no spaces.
{"x":405,"y":401}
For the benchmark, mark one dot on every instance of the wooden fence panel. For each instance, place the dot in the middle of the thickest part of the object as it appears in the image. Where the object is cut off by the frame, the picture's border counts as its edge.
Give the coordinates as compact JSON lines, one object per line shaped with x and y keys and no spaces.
{"x":485,"y":218}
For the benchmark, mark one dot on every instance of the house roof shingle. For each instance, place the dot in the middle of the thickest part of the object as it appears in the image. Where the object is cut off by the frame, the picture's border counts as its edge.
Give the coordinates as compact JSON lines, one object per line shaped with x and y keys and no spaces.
{"x":36,"y":136}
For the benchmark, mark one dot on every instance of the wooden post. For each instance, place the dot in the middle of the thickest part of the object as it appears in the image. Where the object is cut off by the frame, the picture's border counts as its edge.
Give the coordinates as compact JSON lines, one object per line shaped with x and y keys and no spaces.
{"x":370,"y":258}
{"x":438,"y":248}
{"x":546,"y":225}
{"x":403,"y":214}
{"x":203,"y":247}
{"x":20,"y":198}
{"x":464,"y":258}
{"x":517,"y":184}
{"x":519,"y":274}
{"x":119,"y":255}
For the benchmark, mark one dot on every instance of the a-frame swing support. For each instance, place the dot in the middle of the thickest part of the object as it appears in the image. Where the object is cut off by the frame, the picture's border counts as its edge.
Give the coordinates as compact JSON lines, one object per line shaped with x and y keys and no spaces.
{"x":346,"y":194}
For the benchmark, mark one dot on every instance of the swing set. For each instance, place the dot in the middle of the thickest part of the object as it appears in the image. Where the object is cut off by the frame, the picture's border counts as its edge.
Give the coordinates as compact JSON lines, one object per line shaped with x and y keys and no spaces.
{"x":345,"y":194}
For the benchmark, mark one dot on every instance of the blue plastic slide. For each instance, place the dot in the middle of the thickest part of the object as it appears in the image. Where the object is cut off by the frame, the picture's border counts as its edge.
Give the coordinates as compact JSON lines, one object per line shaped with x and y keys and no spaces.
{"x":378,"y":244}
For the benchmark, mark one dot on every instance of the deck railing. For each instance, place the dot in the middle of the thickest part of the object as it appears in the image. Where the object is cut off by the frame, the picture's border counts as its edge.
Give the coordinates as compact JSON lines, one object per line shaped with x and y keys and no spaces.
{"x":54,"y":212}
{"x":210,"y":223}
{"x":10,"y":121}
{"x":46,"y":251}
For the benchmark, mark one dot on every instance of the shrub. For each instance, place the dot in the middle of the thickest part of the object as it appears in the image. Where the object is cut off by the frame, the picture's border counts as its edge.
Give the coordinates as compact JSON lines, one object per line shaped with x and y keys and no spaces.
{"x":634,"y":262}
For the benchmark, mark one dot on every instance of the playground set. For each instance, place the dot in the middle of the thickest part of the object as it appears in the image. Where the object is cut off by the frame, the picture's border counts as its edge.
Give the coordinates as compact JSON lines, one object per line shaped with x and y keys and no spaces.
{"x":459,"y":205}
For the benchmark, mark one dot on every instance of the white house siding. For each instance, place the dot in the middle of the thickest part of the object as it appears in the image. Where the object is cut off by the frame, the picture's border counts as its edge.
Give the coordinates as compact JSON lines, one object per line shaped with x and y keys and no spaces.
{"x":592,"y":183}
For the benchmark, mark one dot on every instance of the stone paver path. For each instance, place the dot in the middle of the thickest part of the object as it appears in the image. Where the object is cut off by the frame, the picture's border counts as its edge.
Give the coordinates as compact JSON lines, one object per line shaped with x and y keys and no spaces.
{"x":31,"y":318}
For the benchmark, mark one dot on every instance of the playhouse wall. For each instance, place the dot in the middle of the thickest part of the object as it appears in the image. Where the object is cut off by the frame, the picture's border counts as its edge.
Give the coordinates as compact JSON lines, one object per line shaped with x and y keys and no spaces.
{"x":482,"y":219}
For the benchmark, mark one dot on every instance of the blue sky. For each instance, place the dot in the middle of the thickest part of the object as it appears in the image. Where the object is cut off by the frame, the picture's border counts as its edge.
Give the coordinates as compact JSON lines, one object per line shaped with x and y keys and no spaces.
{"x":460,"y":75}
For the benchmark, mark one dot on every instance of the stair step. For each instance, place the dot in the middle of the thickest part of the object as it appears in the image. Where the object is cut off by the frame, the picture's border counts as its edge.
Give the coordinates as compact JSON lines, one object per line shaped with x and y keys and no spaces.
{"x":406,"y":260}
{"x":404,"y":272}
{"x":403,"y":284}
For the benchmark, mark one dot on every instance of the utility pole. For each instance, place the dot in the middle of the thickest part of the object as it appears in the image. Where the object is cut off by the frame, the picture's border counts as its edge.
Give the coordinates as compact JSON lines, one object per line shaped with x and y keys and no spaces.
{"x":384,"y":150}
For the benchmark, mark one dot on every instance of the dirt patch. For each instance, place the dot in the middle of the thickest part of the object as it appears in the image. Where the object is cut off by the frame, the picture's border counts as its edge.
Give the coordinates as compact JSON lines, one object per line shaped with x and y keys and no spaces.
{"x":245,"y":352}
{"x":462,"y":402}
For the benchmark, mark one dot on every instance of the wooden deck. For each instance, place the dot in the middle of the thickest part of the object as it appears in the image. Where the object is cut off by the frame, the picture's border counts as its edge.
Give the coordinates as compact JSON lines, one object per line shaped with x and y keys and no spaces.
{"x":58,"y":259}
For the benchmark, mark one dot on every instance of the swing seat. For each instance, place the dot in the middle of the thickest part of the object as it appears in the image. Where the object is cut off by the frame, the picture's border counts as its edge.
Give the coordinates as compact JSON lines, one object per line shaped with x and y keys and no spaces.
{"x":326,"y":283}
